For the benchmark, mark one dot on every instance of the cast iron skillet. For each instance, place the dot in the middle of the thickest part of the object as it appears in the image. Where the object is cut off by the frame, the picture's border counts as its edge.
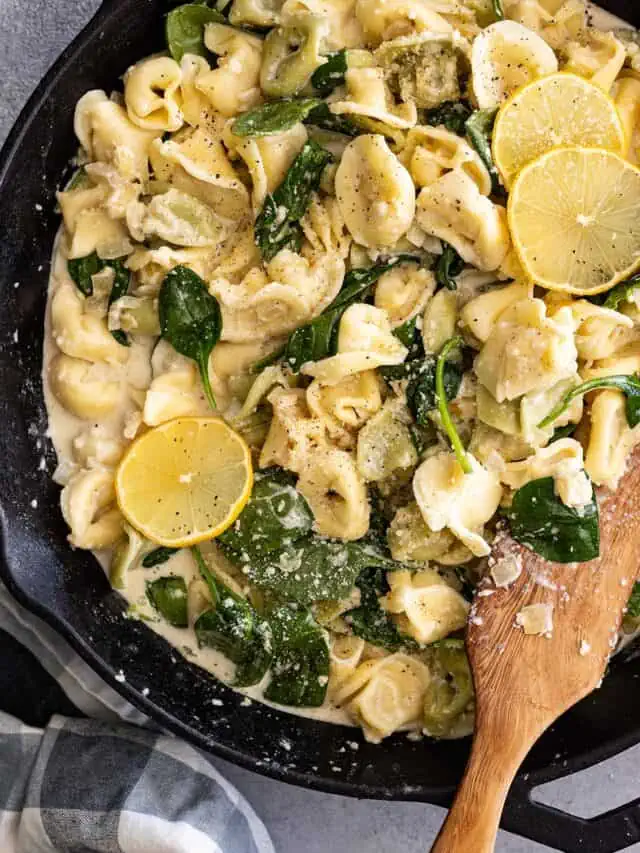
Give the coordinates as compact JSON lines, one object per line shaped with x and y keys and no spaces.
{"x":68,"y":590}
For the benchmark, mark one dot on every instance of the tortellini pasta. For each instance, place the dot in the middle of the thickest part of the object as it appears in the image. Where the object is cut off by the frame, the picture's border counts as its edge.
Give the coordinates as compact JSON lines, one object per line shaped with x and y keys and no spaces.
{"x":424,"y":606}
{"x":84,"y":389}
{"x":385,"y":19}
{"x":506,"y":56}
{"x":411,"y":541}
{"x":268,"y":303}
{"x":598,"y":57}
{"x":152,"y":94}
{"x":178,"y":218}
{"x":453,"y":209}
{"x":527,"y":350}
{"x":610,"y":440}
{"x":369,"y":96}
{"x":88,"y":506}
{"x":291,"y":54}
{"x":294,"y":433}
{"x":80,"y":334}
{"x":463,"y":503}
{"x":345,"y":407}
{"x":480,"y":315}
{"x":385,"y":695}
{"x":233,"y":85}
{"x":429,"y":152}
{"x":562,"y":460}
{"x":334,"y":489}
{"x":106,"y":133}
{"x":365,"y":341}
{"x":385,"y":445}
{"x":403,"y":292}
{"x":375,"y":192}
{"x":173,"y":394}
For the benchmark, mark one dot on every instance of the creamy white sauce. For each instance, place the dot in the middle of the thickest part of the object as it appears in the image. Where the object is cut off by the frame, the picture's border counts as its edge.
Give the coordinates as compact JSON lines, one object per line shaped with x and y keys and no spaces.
{"x":65,"y":428}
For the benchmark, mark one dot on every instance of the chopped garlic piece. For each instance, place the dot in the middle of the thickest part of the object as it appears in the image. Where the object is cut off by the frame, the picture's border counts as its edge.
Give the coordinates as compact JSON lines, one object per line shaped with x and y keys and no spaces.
{"x":507,"y":570}
{"x":536,"y":619}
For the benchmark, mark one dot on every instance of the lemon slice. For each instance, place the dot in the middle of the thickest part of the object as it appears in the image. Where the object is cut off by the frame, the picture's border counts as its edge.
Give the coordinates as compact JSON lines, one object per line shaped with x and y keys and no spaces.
{"x":574,"y":215}
{"x":185,"y":481}
{"x":561,"y":109}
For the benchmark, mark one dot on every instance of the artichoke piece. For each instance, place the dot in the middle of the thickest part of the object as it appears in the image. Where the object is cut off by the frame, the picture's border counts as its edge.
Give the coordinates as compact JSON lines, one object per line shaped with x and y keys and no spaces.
{"x":450,"y":691}
{"x":291,"y":54}
{"x":425,"y":69}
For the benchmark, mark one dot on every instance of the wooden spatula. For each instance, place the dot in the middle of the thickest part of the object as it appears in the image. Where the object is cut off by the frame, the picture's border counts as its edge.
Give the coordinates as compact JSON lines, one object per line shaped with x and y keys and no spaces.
{"x":525,"y":682}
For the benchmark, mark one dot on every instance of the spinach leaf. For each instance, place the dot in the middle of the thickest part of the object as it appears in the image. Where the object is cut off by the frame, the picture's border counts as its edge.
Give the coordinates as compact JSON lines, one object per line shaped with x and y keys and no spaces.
{"x":184,"y":29}
{"x":318,"y":339}
{"x":479,"y":129}
{"x":421,"y":390}
{"x":274,"y":117}
{"x":629,"y":385}
{"x":81,"y":270}
{"x":540,"y":521}
{"x":451,"y":114}
{"x":449,"y":265}
{"x":158,"y":556}
{"x":369,"y":620}
{"x":120,"y":287}
{"x":315,"y":569}
{"x":277,"y":224}
{"x":275,"y":517}
{"x":300,"y":667}
{"x":168,"y":595}
{"x":408,"y":333}
{"x":621,"y":292}
{"x":331,"y":74}
{"x":498,"y":10}
{"x":633,"y":605}
{"x":563,"y":432}
{"x":321,"y":116}
{"x":233,"y":628}
{"x":190,"y":319}
{"x":443,"y":408}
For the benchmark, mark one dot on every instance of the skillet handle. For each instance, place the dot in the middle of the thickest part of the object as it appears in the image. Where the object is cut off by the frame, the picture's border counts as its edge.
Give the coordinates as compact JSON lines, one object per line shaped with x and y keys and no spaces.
{"x":607,"y":833}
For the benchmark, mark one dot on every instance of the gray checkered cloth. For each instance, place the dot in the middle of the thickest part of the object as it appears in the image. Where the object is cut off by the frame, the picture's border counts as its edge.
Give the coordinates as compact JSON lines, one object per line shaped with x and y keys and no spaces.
{"x":100,"y":786}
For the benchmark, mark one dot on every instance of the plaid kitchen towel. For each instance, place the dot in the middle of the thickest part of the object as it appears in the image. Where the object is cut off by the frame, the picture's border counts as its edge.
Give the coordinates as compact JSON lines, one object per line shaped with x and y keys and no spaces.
{"x":100,"y":786}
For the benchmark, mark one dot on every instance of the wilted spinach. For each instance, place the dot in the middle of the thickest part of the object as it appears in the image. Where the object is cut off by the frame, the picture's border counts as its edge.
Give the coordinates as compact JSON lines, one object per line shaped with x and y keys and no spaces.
{"x":190,"y":319}
{"x":318,"y":339}
{"x":315,"y":569}
{"x":479,"y":129}
{"x":369,"y":620}
{"x":449,"y":265}
{"x":168,"y":595}
{"x":498,"y":10}
{"x":451,"y":114}
{"x":277,"y":225}
{"x":540,"y":521}
{"x":421,"y":390}
{"x":184,"y":29}
{"x":81,"y":270}
{"x":331,"y":74}
{"x":233,"y":628}
{"x":621,"y":292}
{"x":322,"y":117}
{"x":275,"y":517}
{"x":629,"y":385}
{"x":158,"y":556}
{"x":120,"y":287}
{"x":274,"y":117}
{"x":300,"y":666}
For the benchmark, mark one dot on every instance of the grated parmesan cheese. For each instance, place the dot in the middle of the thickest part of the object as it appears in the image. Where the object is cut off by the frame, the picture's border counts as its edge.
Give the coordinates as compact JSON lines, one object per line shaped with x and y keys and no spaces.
{"x":507,"y":570}
{"x":536,"y":619}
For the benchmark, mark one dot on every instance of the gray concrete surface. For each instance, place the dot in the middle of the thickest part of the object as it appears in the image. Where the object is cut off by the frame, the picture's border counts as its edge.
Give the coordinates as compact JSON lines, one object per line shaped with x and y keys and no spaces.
{"x":32,"y":34}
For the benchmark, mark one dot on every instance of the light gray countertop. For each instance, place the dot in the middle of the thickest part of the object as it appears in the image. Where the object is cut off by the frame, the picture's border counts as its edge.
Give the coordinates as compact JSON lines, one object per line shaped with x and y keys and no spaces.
{"x":32,"y":35}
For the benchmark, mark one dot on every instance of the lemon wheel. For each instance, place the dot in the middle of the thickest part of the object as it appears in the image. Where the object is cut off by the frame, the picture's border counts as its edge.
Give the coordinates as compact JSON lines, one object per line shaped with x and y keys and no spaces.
{"x":574,"y":215}
{"x":560,"y":109}
{"x":185,"y":481}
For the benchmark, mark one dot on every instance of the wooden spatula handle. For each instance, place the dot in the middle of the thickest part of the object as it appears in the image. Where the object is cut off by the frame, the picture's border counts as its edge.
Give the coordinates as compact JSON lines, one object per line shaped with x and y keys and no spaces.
{"x":473,"y":821}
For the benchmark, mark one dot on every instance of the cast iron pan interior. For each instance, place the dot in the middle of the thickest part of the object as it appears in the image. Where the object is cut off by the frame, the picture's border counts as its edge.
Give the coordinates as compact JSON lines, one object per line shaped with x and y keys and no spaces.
{"x":67,"y":588}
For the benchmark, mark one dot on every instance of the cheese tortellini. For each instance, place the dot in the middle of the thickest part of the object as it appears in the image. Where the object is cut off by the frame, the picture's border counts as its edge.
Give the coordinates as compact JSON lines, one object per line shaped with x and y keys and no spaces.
{"x":375,"y":192}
